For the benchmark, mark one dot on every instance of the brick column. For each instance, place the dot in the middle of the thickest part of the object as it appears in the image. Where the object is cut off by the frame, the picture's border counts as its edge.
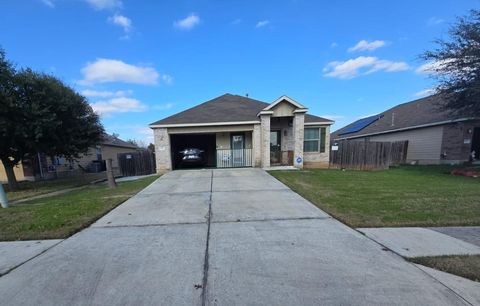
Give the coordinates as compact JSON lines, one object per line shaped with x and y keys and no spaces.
{"x":162,"y":150}
{"x":298,"y":129}
{"x":257,"y":145}
{"x":265,"y":133}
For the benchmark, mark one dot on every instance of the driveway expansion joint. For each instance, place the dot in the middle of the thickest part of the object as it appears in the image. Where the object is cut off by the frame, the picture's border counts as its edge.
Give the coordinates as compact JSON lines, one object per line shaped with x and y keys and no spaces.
{"x":31,"y":258}
{"x":206,"y":263}
{"x":147,"y":225}
{"x":273,"y":219}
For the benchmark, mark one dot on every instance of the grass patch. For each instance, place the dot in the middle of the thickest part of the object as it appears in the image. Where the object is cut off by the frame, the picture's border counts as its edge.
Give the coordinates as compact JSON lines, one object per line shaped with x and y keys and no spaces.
{"x":402,"y":196}
{"x":467,"y":266}
{"x":60,"y":216}
{"x":29,"y":189}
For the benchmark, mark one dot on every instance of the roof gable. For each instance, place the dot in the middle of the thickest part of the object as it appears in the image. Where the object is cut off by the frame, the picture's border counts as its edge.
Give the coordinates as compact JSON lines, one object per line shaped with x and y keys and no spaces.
{"x":287,"y":99}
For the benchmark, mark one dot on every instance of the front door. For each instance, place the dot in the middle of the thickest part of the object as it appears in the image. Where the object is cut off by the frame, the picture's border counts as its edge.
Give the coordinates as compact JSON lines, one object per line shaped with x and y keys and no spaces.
{"x":476,"y":142}
{"x":238,"y":154}
{"x":275,"y":148}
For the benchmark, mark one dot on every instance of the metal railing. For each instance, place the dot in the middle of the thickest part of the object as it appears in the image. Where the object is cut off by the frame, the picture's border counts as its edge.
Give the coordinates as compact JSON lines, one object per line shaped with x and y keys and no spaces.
{"x":234,"y":158}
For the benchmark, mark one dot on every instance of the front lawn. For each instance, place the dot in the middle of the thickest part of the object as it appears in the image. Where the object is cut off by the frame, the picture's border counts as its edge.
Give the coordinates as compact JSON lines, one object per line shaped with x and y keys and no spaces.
{"x":29,"y":189}
{"x":467,"y":266}
{"x":403,"y":196}
{"x":62,"y":215}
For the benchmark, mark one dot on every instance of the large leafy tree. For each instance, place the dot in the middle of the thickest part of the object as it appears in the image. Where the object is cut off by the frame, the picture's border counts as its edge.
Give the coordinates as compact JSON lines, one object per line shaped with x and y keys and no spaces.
{"x":39,"y":113}
{"x":455,"y":64}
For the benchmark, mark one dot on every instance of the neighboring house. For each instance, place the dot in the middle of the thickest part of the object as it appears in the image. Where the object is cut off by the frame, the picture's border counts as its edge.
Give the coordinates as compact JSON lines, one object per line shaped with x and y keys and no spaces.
{"x":44,"y":167}
{"x":236,"y":131}
{"x":435,"y":135}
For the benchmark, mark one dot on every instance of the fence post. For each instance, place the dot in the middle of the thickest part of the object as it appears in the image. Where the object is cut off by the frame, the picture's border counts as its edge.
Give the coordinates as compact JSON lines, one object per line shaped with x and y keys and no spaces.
{"x":110,"y":177}
{"x":3,"y":197}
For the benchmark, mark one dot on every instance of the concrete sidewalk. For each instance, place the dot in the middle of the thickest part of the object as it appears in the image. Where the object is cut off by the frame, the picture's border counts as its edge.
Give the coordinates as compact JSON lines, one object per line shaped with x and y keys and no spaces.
{"x":15,"y":253}
{"x":220,"y":237}
{"x":417,"y":241}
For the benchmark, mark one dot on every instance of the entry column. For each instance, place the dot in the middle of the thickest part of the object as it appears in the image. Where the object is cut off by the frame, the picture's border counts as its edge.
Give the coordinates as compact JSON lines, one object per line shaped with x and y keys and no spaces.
{"x":265,"y":133}
{"x":298,"y":130}
{"x":162,"y":150}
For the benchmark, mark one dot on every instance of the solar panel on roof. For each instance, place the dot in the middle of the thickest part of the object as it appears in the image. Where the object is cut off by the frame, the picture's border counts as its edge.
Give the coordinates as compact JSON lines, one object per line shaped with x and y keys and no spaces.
{"x":360,"y":124}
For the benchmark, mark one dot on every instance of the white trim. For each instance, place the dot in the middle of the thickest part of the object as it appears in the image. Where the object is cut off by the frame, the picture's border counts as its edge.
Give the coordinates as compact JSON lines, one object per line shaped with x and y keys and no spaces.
{"x":153,"y":126}
{"x":404,"y":129}
{"x":263,"y":112}
{"x":320,"y":123}
{"x":303,"y":110}
{"x":288,"y":99}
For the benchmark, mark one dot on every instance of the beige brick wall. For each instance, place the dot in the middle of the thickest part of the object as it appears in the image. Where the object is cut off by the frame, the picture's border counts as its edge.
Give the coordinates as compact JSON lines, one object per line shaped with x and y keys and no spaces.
{"x":265,"y":139}
{"x":257,"y":145}
{"x":298,"y":130}
{"x":162,"y":150}
{"x":318,"y":159}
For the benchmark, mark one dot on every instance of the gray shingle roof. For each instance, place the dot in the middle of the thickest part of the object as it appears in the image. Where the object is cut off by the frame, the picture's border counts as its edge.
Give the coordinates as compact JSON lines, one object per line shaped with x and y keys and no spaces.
{"x":226,"y":108}
{"x":419,"y":112}
{"x":110,"y":140}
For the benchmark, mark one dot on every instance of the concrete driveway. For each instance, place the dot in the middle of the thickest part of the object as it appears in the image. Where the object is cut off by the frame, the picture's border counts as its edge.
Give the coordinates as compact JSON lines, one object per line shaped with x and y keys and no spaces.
{"x":220,"y":237}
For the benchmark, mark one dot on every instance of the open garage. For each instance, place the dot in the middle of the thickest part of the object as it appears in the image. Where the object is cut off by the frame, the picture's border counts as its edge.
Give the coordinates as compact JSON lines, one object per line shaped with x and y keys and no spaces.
{"x":204,"y":142}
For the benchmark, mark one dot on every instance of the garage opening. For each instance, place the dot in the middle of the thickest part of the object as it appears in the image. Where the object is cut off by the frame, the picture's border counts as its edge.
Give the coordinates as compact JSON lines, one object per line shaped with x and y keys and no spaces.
{"x":204,"y":142}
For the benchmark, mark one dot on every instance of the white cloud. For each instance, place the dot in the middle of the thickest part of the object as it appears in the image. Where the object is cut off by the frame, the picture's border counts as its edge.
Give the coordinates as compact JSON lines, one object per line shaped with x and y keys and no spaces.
{"x":146,"y":132}
{"x":105,"y":4}
{"x":431,"y":67}
{"x":118,"y":105}
{"x":168,"y":79}
{"x":188,"y":22}
{"x":434,"y":21}
{"x":425,"y":92}
{"x":121,"y":21}
{"x":49,"y":3}
{"x":164,"y":106}
{"x":109,"y":70}
{"x":362,"y":65}
{"x":262,"y":23}
{"x":105,"y":94}
{"x":365,"y":45}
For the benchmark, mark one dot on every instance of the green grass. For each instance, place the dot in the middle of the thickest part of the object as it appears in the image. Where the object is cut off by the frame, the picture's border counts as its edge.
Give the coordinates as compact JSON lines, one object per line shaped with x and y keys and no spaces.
{"x":403,"y":196}
{"x":29,"y":189}
{"x":467,"y":266}
{"x":62,"y":215}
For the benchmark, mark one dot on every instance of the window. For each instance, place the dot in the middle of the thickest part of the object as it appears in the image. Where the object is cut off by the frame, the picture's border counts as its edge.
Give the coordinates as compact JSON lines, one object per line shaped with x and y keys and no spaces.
{"x":314,"y":140}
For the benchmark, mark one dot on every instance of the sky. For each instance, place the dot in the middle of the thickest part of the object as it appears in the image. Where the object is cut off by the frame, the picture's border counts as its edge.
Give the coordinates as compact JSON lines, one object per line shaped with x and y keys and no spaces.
{"x":140,"y":61}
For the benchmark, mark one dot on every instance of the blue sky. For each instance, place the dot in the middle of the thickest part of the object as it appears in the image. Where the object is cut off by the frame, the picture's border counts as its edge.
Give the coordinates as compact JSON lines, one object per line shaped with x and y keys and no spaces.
{"x":140,"y":61}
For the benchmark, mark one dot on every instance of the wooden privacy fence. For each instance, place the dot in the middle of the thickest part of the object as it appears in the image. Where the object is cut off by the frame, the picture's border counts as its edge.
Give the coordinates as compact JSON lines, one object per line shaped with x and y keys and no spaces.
{"x":368,"y":155}
{"x":136,"y":163}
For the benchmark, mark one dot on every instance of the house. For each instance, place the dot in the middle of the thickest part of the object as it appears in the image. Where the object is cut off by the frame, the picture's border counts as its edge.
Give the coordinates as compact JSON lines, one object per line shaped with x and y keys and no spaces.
{"x":44,"y":167}
{"x":434,"y":134}
{"x":237,"y":131}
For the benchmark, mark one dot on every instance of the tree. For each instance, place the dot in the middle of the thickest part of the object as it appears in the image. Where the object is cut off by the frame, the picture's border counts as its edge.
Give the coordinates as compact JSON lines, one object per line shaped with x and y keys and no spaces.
{"x":151,"y":147}
{"x":8,"y":131}
{"x":41,"y":114}
{"x":455,"y":64}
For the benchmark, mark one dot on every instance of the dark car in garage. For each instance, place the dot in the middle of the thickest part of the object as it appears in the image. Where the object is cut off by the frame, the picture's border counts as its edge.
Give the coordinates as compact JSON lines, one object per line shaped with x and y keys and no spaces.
{"x":192,"y":156}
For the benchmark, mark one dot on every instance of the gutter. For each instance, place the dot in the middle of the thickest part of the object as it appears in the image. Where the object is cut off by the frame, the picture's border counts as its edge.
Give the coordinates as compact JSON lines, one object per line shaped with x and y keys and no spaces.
{"x":153,"y":126}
